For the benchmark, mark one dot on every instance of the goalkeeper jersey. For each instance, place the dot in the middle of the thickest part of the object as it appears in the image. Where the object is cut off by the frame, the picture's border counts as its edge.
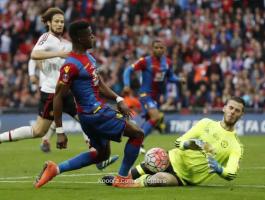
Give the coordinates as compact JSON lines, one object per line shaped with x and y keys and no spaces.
{"x":192,"y":166}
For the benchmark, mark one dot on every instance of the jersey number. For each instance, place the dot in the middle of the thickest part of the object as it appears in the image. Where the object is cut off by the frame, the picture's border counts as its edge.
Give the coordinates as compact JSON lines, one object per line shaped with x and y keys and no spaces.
{"x":159,"y":76}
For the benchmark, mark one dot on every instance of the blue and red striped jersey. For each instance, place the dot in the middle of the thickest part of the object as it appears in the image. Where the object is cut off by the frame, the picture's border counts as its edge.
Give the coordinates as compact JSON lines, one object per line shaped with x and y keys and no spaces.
{"x":80,"y":72}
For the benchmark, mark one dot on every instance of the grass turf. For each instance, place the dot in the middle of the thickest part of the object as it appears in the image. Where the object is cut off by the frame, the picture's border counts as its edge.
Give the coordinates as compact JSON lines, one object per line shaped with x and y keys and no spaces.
{"x":22,"y":161}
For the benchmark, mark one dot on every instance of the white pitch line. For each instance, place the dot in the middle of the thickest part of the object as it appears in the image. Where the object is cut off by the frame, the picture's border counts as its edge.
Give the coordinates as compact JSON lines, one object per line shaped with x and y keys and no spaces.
{"x":100,"y":174}
{"x":62,"y":175}
{"x":64,"y":182}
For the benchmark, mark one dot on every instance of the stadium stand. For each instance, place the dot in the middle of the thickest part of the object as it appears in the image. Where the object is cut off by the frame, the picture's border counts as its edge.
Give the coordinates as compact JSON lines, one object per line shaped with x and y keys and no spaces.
{"x":218,"y":45}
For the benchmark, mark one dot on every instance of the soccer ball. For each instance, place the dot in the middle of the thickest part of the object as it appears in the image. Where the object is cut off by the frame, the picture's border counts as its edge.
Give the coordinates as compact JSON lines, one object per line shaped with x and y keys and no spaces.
{"x":156,"y":160}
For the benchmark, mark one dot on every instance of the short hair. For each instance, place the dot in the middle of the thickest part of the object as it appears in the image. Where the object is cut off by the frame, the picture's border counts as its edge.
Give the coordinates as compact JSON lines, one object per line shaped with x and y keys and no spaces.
{"x":48,"y":15}
{"x":237,"y":99}
{"x":76,"y":27}
{"x":156,"y":41}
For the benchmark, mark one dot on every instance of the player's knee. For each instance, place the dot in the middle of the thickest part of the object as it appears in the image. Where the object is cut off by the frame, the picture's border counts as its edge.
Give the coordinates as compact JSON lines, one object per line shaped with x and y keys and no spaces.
{"x":155,"y":118}
{"x":164,"y":179}
{"x":139,"y":134}
{"x":160,"y":176}
{"x":38,"y":131}
{"x":101,"y":156}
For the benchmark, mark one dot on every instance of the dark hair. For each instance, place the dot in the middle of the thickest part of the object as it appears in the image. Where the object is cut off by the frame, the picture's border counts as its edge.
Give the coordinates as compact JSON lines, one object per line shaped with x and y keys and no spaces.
{"x":237,"y":99}
{"x":156,"y":41}
{"x":47,"y":16}
{"x":76,"y":27}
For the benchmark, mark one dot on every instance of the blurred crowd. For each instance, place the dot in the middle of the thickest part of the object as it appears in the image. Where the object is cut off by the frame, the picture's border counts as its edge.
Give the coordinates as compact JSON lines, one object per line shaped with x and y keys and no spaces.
{"x":217,"y":45}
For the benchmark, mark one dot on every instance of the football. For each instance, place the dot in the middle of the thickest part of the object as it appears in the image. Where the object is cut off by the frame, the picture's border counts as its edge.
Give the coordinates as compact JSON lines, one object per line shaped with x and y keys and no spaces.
{"x":156,"y":160}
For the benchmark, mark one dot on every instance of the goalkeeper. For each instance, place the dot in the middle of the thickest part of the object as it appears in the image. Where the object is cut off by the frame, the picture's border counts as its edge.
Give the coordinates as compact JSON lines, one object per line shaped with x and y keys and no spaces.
{"x":208,"y":148}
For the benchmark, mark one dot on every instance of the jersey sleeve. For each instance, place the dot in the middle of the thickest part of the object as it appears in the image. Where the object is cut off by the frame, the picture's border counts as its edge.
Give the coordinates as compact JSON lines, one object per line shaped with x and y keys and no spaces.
{"x":32,"y":67}
{"x":140,"y":64}
{"x":172,"y":77}
{"x":67,"y":73}
{"x":43,"y":43}
{"x":232,"y":165}
{"x":193,"y":133}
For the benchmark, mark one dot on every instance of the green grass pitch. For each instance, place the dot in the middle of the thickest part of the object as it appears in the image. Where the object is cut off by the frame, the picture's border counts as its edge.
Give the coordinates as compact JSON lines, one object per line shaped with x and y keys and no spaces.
{"x":20,"y":162}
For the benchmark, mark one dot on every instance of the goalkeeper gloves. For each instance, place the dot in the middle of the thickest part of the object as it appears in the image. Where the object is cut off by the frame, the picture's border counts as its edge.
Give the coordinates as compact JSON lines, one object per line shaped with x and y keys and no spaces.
{"x":193,"y":144}
{"x":214,"y":166}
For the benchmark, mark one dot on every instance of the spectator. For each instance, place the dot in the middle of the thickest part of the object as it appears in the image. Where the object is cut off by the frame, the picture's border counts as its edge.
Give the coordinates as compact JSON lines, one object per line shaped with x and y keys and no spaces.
{"x":227,"y":33}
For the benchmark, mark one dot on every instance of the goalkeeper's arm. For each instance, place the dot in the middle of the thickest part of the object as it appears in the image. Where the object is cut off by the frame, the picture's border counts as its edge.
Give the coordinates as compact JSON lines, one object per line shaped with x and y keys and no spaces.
{"x":228,"y":173}
{"x":193,"y":144}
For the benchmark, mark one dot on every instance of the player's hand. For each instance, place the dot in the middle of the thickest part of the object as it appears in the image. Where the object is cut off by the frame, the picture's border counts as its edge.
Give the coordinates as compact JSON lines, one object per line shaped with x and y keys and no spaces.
{"x":214,"y":166}
{"x":194,"y":144}
{"x":61,"y":141}
{"x":33,"y":79}
{"x":124,"y":109}
{"x":33,"y":83}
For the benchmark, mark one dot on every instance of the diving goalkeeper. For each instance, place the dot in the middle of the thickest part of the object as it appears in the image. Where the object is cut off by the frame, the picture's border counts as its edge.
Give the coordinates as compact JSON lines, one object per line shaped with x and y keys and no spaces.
{"x":209,"y":148}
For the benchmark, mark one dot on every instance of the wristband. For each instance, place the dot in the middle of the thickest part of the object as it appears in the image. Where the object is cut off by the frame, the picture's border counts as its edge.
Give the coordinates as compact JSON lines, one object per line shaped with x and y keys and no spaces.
{"x":59,"y":130}
{"x":119,"y":99}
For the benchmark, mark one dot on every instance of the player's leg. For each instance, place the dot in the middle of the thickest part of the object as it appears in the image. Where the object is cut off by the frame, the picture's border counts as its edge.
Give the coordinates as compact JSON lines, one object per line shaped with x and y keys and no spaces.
{"x":26,"y":132}
{"x":46,"y":112}
{"x":70,"y":108}
{"x":46,"y":115}
{"x":51,"y":169}
{"x":105,"y":163}
{"x":146,"y":178}
{"x":45,"y":145}
{"x":151,"y":114}
{"x":101,"y":153}
{"x":131,"y":152}
{"x":84,"y":159}
{"x":154,"y":117}
{"x":160,"y":179}
{"x":160,"y":125}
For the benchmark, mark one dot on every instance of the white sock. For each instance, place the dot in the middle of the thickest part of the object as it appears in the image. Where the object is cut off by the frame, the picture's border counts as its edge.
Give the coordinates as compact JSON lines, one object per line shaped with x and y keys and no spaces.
{"x":58,"y":170}
{"x":21,"y":133}
{"x":50,"y":132}
{"x":87,"y":140}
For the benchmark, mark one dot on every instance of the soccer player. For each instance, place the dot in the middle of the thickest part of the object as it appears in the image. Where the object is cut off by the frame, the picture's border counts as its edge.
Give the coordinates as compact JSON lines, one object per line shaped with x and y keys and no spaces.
{"x":100,"y":122}
{"x":156,"y":72}
{"x":208,"y":148}
{"x":50,"y":52}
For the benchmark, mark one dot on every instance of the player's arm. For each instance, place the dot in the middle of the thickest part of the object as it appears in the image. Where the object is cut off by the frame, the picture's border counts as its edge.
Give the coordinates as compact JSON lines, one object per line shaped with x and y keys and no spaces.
{"x":110,"y":94}
{"x":42,"y":54}
{"x":67,"y":73}
{"x":139,"y":65}
{"x":229,"y":171}
{"x":42,"y":50}
{"x":61,"y":91}
{"x":173,"y":78}
{"x":32,"y":64}
{"x":190,"y":140}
